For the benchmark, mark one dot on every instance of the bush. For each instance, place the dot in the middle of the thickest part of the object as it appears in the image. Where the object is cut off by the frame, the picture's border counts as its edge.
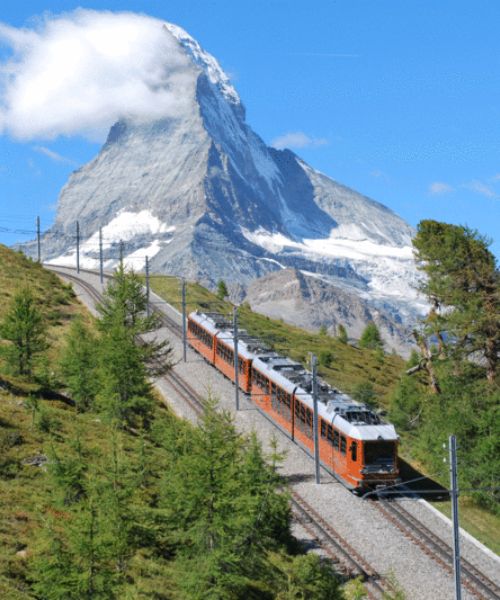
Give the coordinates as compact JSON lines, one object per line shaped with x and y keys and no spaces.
{"x":325,"y":358}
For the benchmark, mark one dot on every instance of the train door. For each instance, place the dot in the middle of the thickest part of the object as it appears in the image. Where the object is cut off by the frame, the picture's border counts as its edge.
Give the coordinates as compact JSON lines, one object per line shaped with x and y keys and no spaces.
{"x":340,"y":460}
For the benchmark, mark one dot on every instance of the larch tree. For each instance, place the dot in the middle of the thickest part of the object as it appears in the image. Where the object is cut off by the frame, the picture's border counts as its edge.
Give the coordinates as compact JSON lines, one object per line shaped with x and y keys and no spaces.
{"x":25,"y":331}
{"x":79,"y":364}
{"x":370,"y":338}
{"x":127,"y":359}
{"x":222,"y":291}
{"x":342,"y":335}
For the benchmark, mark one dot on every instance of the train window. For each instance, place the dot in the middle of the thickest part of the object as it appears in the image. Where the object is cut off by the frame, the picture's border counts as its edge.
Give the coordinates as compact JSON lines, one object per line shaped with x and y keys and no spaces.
{"x":200,"y":333}
{"x":379,"y":452}
{"x":297,"y":409}
{"x":336,"y":439}
{"x":329,"y":435}
{"x":323,"y":428}
{"x":343,"y":445}
{"x":354,"y":451}
{"x":260,"y":381}
{"x":225,"y":353}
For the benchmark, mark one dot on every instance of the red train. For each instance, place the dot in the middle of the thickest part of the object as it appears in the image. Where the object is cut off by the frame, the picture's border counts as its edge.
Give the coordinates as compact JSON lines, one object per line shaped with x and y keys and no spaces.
{"x":355,"y":445}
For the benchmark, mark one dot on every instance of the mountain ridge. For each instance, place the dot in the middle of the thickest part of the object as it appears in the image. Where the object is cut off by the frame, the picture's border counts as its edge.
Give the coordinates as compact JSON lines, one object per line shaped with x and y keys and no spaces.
{"x":203,"y":196}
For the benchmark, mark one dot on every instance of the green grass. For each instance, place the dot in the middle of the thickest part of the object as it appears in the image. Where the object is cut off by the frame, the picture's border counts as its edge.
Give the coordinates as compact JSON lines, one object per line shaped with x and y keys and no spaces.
{"x":480,"y":523}
{"x":24,"y":489}
{"x":349,"y":367}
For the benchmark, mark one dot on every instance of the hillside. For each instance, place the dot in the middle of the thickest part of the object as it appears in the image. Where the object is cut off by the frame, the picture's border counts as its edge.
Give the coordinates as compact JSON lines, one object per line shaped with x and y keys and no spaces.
{"x":24,"y":486}
{"x":91,"y":507}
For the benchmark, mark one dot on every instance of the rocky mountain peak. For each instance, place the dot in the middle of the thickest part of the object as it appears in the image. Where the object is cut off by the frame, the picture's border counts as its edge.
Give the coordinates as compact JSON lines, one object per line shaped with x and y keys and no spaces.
{"x":203,"y":196}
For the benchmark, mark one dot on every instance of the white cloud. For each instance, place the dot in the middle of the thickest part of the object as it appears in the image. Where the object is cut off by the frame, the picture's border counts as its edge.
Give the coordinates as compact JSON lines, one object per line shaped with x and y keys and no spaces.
{"x":479,"y":187}
{"x":297,"y":139}
{"x":80,"y":72}
{"x":55,"y":156}
{"x":439,"y":188}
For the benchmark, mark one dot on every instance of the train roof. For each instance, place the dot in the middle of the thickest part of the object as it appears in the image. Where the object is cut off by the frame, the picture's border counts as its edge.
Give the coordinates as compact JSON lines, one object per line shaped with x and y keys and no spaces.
{"x":222,"y":327}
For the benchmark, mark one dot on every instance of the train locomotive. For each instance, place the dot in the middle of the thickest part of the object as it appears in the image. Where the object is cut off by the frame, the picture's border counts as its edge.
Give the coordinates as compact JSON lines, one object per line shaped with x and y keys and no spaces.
{"x":355,"y":445}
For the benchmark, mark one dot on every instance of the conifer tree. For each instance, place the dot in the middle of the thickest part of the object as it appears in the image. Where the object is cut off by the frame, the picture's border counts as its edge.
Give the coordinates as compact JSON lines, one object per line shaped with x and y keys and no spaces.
{"x":370,"y":338}
{"x":223,"y":504}
{"x":305,"y":576}
{"x":342,"y":334}
{"x":79,"y":364}
{"x":463,"y":287}
{"x":126,"y":358}
{"x":222,"y":291}
{"x":24,"y":327}
{"x":53,"y":569}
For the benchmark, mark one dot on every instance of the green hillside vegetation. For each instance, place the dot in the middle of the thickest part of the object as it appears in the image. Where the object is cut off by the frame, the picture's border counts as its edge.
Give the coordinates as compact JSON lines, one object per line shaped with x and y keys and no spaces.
{"x":453,"y":385}
{"x":105,"y":494}
{"x":345,"y":366}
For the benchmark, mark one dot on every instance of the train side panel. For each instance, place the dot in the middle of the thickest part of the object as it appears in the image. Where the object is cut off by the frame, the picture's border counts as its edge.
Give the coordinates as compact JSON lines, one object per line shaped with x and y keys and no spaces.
{"x":224,"y":361}
{"x":201,"y":340}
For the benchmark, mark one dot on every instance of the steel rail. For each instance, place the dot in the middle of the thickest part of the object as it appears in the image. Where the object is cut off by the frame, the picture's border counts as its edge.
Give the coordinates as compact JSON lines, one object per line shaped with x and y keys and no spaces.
{"x":474,"y":580}
{"x":340,"y":550}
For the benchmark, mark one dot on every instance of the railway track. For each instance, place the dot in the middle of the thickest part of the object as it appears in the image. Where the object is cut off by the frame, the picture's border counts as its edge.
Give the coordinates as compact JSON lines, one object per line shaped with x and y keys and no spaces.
{"x":336,"y":548}
{"x":473,"y":580}
{"x":346,"y":558}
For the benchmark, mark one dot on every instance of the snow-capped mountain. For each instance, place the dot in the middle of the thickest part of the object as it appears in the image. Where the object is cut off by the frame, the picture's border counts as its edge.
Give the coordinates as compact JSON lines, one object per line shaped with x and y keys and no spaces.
{"x":203,"y":196}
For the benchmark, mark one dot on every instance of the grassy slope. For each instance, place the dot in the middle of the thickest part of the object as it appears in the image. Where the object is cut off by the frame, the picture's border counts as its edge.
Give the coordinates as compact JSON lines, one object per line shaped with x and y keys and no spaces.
{"x":23,"y":488}
{"x":350,"y":366}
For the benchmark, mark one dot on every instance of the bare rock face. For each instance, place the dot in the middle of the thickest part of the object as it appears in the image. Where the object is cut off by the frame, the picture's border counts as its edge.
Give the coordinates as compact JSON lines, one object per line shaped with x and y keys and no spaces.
{"x":203,"y":197}
{"x":311,"y":302}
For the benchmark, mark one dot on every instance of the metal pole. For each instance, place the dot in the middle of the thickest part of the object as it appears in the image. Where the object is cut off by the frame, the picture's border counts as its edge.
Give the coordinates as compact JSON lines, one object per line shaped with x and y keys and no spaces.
{"x":148,"y":312}
{"x":236,"y":362}
{"x":184,"y":335}
{"x":101,"y":266}
{"x":315,"y":419}
{"x":454,"y":515}
{"x":77,"y":247}
{"x":38,"y":239}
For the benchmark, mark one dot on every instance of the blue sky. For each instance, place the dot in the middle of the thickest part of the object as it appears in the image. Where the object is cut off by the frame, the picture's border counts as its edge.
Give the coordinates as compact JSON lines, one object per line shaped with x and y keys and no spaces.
{"x":398,"y":100}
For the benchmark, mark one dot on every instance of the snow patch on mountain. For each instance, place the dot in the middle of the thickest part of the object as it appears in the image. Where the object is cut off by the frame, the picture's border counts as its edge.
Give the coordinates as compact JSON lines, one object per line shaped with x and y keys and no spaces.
{"x":388,"y":270}
{"x":127,"y":226}
{"x":334,"y":246}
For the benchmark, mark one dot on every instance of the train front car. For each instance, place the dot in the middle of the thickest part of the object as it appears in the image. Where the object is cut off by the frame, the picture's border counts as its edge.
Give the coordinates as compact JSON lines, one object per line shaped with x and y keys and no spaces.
{"x":364,"y":449}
